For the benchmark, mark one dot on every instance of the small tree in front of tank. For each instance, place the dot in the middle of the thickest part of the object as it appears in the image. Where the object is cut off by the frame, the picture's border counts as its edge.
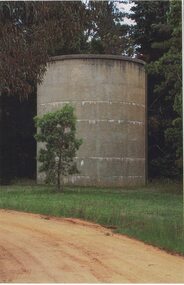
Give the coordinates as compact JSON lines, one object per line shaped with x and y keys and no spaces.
{"x":57,"y":131}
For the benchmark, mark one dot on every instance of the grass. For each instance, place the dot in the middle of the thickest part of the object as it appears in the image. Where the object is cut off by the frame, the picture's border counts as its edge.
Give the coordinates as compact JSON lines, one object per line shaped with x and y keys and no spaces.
{"x":153,"y":214}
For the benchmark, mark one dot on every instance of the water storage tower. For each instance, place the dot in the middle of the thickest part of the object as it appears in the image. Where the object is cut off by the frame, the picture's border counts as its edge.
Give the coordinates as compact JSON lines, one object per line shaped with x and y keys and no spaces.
{"x":109,"y":96}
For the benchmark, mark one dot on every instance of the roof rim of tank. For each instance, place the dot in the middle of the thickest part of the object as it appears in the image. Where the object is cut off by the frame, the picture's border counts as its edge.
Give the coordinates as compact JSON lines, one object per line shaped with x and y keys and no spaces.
{"x":96,"y":56}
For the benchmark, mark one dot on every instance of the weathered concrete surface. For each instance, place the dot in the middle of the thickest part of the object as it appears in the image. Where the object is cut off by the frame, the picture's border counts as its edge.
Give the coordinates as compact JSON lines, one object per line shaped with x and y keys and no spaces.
{"x":108,"y":93}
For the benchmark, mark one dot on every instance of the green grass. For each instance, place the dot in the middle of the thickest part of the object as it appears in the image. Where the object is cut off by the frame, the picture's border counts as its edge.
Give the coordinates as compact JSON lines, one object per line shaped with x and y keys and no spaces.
{"x":153,"y":214}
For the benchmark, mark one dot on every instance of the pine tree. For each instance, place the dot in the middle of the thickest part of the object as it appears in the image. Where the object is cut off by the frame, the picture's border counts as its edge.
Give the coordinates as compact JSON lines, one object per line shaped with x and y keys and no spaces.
{"x":169,"y":66}
{"x":158,"y":39}
{"x":108,"y":33}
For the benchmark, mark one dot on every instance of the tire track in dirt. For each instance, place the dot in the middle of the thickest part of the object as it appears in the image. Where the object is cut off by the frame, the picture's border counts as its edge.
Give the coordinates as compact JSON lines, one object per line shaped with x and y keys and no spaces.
{"x":78,"y":255}
{"x":36,"y":248}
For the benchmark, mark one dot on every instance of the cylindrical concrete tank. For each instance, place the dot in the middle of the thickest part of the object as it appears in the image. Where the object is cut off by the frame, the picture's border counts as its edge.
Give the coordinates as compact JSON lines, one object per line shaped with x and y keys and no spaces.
{"x":109,"y":96}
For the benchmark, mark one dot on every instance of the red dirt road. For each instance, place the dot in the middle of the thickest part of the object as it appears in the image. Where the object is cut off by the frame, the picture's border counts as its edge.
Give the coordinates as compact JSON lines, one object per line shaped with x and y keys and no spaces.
{"x":35,"y":248}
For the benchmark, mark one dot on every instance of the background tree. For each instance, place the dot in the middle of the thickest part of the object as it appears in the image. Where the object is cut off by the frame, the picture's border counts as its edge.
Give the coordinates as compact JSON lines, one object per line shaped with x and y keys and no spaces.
{"x":155,"y":35}
{"x":151,"y":26}
{"x":29,"y":32}
{"x":57,"y":131}
{"x":107,"y":31}
{"x":169,"y":66}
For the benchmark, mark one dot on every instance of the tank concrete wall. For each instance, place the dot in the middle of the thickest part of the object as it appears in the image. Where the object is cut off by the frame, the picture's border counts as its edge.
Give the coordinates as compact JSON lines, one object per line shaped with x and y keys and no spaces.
{"x":108,"y":93}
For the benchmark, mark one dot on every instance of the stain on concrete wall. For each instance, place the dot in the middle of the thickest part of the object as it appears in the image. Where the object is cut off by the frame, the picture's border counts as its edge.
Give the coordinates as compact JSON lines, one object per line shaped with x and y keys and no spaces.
{"x":109,"y":96}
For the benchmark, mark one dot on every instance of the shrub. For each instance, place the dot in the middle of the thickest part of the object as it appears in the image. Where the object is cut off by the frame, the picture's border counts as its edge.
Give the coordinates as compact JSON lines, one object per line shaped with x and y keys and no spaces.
{"x":57,"y":130}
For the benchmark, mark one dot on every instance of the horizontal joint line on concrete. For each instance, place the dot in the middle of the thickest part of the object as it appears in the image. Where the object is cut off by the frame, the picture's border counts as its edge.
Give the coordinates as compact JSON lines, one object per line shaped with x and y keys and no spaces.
{"x":110,"y":121}
{"x":129,"y":176}
{"x":111,"y":158}
{"x":93,"y":102}
{"x":120,"y":176}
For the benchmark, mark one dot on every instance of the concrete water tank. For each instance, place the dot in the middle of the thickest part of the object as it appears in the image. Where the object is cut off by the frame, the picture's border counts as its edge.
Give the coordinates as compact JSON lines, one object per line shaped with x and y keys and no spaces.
{"x":109,"y":96}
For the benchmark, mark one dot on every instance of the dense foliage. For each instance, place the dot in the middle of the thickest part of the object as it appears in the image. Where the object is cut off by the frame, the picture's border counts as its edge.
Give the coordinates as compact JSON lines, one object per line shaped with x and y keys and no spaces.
{"x":57,"y":132}
{"x":158,"y":39}
{"x":30,"y":31}
{"x":107,"y":33}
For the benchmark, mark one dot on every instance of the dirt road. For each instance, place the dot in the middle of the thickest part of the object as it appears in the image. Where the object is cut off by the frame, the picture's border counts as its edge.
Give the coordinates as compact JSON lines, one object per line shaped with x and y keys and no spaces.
{"x":36,"y":248}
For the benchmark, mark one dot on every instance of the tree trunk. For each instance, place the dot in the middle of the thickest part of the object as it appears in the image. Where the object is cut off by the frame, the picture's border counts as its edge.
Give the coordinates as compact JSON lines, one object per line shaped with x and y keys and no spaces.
{"x":59,"y":183}
{"x":60,"y":187}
